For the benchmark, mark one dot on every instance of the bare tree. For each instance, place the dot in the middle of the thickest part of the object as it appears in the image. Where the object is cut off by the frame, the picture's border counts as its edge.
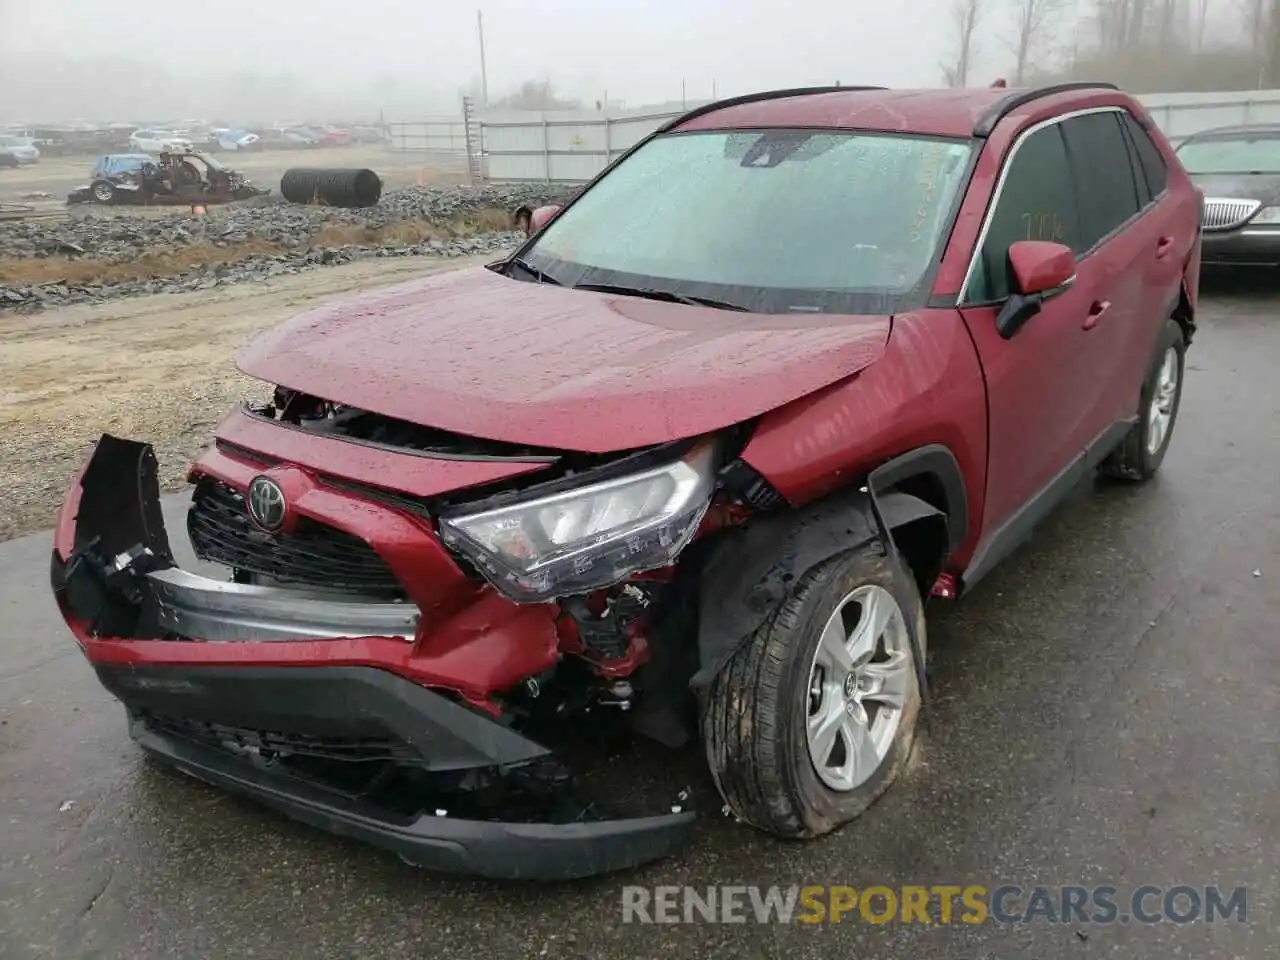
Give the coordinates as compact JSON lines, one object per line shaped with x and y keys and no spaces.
{"x":536,"y":95}
{"x":1257,"y":17}
{"x":965,"y":15}
{"x":1030,"y":18}
{"x":1270,"y":70}
{"x":1202,"y":20}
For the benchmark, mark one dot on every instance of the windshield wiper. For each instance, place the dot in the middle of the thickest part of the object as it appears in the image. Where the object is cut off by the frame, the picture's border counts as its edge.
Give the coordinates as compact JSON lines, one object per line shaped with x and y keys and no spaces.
{"x":667,"y":295}
{"x":540,"y":275}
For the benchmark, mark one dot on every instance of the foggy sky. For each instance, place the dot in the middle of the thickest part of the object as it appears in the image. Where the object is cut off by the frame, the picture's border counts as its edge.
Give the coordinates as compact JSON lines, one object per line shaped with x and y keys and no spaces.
{"x":415,"y":55}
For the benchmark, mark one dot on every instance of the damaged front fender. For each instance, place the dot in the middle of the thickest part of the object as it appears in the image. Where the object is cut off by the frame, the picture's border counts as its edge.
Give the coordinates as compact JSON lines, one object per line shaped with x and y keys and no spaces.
{"x":749,"y":572}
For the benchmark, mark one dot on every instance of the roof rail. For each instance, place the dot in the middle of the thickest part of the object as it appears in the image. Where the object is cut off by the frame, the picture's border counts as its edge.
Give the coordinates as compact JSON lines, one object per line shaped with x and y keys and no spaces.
{"x":754,"y":98}
{"x":1006,"y":105}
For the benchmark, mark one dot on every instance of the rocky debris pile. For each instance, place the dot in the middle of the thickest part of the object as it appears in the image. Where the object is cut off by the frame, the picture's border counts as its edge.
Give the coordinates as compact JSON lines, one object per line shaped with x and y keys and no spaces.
{"x":39,"y":297}
{"x":290,"y":231}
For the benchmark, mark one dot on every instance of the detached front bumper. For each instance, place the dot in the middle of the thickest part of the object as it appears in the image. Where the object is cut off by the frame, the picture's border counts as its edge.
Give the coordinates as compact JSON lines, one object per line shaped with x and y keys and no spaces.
{"x":337,"y":730}
{"x":228,"y":726}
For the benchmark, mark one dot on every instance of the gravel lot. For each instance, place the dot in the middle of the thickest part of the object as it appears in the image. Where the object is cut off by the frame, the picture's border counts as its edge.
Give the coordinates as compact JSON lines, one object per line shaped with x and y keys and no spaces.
{"x":155,"y":368}
{"x":46,"y":263}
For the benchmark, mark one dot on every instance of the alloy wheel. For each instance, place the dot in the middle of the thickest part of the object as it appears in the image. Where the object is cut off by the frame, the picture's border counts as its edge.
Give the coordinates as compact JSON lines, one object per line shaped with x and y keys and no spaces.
{"x":1163,"y":401}
{"x":858,"y":685}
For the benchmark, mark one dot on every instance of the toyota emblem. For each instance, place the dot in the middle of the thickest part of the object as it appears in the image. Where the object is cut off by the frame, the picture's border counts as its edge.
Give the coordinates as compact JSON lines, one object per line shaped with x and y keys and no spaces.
{"x":267,"y":505}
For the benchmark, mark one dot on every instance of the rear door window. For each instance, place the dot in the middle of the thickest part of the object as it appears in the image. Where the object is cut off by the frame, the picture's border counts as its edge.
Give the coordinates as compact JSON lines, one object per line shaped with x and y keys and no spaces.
{"x":1037,"y":201}
{"x":1104,"y":174}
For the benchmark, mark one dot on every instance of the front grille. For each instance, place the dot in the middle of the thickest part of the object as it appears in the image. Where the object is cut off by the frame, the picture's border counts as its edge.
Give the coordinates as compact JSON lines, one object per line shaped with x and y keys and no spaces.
{"x":1227,"y":214}
{"x":314,"y":554}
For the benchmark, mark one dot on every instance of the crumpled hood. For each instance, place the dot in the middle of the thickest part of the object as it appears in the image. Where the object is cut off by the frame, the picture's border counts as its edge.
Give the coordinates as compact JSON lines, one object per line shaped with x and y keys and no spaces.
{"x":484,"y":355}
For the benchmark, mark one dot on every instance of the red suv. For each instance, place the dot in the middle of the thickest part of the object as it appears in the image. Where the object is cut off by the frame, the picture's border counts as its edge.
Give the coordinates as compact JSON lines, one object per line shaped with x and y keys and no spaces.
{"x":689,"y":461}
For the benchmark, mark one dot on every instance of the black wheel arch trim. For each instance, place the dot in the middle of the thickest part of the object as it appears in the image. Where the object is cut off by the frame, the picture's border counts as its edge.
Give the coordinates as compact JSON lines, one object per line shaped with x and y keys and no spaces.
{"x":936,"y":461}
{"x":748,"y":571}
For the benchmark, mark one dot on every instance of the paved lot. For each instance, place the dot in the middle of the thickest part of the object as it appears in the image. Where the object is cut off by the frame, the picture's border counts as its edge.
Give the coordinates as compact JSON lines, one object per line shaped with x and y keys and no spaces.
{"x":1107,"y":710}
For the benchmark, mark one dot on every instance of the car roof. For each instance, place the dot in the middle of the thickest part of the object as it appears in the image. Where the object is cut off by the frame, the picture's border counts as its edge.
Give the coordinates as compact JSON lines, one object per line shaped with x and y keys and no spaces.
{"x":941,"y":112}
{"x":944,"y":112}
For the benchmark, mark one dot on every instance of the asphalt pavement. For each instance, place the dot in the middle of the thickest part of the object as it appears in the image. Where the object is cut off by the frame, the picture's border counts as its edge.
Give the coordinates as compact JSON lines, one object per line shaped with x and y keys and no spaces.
{"x":1106,"y":710}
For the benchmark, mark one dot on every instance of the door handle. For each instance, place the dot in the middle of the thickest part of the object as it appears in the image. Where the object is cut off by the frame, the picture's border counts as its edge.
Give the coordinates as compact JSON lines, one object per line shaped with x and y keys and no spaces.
{"x":1163,"y":247}
{"x":1096,"y":311}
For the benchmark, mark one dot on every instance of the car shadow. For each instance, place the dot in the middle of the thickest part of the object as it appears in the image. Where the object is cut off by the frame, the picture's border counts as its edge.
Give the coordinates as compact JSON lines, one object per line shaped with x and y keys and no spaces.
{"x":1239,"y":283}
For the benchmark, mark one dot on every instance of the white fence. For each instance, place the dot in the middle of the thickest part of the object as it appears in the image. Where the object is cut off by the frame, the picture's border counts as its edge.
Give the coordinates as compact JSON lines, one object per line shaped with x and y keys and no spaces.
{"x":441,"y":141}
{"x":1180,"y":115}
{"x":573,"y":146}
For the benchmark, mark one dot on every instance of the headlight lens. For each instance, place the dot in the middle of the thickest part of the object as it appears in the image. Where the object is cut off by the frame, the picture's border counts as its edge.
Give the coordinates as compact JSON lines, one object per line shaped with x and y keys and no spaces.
{"x":1267,"y":215}
{"x":590,"y":537}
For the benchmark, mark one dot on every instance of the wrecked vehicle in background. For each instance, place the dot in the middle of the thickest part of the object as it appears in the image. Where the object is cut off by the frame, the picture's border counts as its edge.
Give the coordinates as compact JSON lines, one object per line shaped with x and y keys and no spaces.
{"x":688,"y":463}
{"x":175,"y":178}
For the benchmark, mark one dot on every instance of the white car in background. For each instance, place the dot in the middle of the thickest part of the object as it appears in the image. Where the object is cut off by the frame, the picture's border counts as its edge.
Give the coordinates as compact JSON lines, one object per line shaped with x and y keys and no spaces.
{"x":158,"y":141}
{"x":229,"y":139}
{"x":22,"y":149}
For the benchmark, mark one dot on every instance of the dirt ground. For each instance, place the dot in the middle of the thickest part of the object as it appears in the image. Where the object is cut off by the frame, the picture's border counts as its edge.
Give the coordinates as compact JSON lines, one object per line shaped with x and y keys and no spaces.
{"x":60,"y":175}
{"x":152,"y":368}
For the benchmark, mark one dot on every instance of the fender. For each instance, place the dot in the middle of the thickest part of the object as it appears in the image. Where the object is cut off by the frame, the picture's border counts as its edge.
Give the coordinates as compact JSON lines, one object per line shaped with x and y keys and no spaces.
{"x":748,"y":571}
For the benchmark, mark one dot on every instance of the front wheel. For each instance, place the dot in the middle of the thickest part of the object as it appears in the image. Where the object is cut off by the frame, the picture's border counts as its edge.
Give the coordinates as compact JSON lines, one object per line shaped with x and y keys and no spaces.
{"x":814,"y":717}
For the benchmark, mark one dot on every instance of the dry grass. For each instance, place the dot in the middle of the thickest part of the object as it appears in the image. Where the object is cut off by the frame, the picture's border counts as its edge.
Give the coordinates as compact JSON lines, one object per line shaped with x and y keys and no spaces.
{"x":149,"y":266}
{"x":409,"y":232}
{"x":156,"y":368}
{"x":176,"y":260}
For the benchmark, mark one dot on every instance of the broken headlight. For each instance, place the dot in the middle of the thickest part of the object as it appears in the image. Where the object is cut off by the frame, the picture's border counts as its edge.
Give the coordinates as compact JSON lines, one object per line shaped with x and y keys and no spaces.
{"x":589,"y":537}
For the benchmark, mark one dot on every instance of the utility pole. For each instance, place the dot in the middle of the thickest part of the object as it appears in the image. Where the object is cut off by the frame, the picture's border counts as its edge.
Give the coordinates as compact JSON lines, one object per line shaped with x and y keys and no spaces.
{"x":484,"y":73}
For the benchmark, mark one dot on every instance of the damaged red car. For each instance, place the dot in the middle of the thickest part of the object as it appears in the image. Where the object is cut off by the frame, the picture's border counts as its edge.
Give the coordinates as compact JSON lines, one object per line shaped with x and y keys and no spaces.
{"x":690,"y":461}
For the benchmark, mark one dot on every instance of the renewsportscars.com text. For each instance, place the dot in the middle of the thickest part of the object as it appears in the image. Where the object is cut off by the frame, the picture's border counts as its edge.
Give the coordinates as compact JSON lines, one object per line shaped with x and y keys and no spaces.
{"x":936,"y":904}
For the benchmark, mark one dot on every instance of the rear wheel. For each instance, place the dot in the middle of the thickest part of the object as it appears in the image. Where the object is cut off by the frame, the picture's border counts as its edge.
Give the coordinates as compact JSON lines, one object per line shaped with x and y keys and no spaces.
{"x":815,"y":715}
{"x":1140,"y":454}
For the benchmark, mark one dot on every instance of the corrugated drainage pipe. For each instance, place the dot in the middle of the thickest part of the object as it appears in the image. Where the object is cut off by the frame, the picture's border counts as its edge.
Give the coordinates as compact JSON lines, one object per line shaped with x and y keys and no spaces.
{"x":331,"y":188}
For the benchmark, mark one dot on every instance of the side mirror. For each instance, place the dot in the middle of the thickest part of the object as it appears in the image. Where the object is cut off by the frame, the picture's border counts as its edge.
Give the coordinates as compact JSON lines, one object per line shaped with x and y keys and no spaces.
{"x":530,"y":221}
{"x":1040,"y":271}
{"x":541,"y":217}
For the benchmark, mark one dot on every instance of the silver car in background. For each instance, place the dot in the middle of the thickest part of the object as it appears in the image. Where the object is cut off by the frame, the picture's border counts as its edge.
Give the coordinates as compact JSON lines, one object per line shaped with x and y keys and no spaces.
{"x":22,"y":149}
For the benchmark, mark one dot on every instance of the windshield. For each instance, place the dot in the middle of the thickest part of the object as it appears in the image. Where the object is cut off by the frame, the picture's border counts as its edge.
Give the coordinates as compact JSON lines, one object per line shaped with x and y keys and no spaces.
{"x":775,"y":220}
{"x":1231,"y":155}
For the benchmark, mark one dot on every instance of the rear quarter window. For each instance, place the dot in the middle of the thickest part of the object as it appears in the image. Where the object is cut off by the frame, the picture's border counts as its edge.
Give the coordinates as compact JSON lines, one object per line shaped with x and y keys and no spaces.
{"x":1153,"y":167}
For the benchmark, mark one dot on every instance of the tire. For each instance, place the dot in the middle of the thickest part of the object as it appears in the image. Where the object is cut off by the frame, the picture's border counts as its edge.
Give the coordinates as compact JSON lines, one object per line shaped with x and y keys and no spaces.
{"x":103,"y":191}
{"x":1141,"y":452}
{"x":757,"y":711}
